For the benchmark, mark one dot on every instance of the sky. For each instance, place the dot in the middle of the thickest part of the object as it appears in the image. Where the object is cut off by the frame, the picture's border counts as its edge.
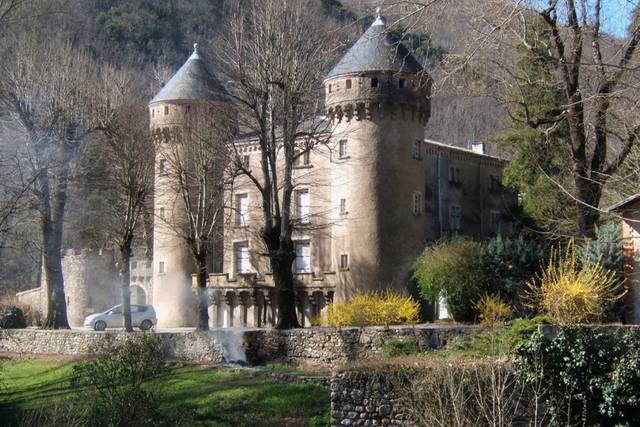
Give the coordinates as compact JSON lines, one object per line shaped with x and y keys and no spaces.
{"x":618,"y":16}
{"x":615,"y":15}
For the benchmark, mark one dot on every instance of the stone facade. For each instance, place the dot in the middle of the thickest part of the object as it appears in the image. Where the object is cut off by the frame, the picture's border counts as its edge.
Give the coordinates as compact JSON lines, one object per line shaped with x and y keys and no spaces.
{"x":356,"y":400}
{"x":187,"y":346}
{"x":321,"y":348}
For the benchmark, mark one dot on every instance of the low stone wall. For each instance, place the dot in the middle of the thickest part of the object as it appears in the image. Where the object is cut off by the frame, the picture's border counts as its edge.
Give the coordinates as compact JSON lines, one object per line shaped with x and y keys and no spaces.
{"x":356,"y":400}
{"x":188,"y":346}
{"x":330,"y":347}
{"x":323,"y":348}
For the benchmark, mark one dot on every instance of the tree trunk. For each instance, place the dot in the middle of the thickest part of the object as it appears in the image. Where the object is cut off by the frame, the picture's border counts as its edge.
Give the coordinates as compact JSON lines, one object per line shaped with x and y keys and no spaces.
{"x":52,"y":221}
{"x":125,"y":282}
{"x":203,"y":306}
{"x":281,"y":264}
{"x":588,"y":193}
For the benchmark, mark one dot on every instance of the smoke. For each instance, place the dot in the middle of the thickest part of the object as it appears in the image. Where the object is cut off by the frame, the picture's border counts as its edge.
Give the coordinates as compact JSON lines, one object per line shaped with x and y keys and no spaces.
{"x":174,"y":301}
{"x":232,"y":342}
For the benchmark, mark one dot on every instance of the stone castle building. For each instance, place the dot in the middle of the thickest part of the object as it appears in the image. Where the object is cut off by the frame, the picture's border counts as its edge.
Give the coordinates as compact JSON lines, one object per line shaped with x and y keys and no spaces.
{"x":366,"y":202}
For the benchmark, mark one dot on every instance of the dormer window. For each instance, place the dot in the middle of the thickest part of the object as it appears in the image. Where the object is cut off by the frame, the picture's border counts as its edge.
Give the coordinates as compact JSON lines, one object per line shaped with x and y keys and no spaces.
{"x":374,"y":82}
{"x":348,"y":83}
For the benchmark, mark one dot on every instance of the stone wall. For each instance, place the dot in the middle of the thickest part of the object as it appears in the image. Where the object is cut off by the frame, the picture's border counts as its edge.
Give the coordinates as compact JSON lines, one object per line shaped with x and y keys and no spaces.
{"x":330,"y":347}
{"x":321,"y":348}
{"x":187,"y":346}
{"x":356,"y":400}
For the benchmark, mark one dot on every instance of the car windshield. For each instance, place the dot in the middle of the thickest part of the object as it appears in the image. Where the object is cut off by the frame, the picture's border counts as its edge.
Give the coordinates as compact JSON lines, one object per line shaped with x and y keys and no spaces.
{"x":115,"y":310}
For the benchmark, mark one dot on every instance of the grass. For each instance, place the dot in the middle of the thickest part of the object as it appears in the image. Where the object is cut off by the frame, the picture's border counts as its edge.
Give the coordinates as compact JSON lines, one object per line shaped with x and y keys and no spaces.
{"x":214,"y":397}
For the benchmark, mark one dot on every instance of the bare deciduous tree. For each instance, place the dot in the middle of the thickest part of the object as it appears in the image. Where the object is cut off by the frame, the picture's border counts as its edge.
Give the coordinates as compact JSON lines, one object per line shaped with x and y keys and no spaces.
{"x":45,"y":91}
{"x":129,"y":149}
{"x":274,"y":55}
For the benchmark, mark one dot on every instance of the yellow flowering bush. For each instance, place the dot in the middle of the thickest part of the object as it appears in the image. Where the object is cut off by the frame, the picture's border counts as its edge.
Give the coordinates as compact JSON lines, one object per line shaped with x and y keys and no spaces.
{"x":374,"y":308}
{"x":493,"y":311}
{"x":569,"y":293}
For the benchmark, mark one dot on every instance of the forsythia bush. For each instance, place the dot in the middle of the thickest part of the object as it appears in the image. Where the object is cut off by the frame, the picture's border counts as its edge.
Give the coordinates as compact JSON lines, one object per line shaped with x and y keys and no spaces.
{"x":493,"y":311}
{"x":570,"y":293}
{"x":375,"y":308}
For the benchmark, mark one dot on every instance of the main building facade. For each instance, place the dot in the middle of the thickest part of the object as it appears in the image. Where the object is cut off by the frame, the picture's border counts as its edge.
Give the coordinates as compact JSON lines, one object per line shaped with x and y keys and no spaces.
{"x":365,"y":202}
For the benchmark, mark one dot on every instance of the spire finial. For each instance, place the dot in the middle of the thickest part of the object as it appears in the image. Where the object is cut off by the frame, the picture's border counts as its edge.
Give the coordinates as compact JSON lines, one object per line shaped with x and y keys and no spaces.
{"x":195,"y":48}
{"x":379,"y":18}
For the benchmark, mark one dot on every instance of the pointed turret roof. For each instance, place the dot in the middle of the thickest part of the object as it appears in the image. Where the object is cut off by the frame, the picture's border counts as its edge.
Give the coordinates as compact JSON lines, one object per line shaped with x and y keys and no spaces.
{"x":376,"y":50}
{"x":192,"y":82}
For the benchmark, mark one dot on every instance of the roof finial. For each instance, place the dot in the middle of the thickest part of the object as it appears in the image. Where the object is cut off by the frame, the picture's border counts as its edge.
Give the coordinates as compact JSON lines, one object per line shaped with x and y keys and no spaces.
{"x":195,"y":48}
{"x":379,"y":18}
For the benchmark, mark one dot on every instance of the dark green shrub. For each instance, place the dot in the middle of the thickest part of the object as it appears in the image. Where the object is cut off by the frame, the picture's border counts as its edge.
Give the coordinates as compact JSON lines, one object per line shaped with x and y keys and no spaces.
{"x":586,"y":375}
{"x":508,"y":264}
{"x":607,"y":249}
{"x":451,"y":269}
{"x":116,"y":393}
{"x":12,"y":317}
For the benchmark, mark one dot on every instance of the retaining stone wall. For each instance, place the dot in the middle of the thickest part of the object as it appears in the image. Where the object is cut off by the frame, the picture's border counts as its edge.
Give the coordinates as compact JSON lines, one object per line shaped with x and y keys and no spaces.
{"x":356,"y":400}
{"x":188,"y":346}
{"x":330,"y":347}
{"x":323,"y":348}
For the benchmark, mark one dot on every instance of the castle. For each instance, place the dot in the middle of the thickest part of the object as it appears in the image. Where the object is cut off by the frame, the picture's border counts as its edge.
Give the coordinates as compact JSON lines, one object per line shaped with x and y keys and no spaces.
{"x":366,"y":202}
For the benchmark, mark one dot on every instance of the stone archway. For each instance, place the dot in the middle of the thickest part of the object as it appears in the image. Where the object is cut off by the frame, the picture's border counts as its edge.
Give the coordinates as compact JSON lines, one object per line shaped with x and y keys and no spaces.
{"x":138,"y":295}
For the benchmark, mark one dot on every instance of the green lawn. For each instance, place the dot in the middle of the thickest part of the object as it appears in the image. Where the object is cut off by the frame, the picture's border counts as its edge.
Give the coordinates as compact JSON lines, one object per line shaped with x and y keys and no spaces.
{"x":215,"y":397}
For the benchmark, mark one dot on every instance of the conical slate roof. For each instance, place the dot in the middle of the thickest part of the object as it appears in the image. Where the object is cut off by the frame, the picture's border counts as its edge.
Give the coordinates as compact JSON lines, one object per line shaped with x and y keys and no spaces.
{"x":192,"y":82}
{"x":376,"y":50}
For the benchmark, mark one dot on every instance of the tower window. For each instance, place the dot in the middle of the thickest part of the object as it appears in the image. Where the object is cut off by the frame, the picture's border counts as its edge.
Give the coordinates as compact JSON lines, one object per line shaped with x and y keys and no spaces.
{"x":401,"y":83}
{"x":303,"y":205}
{"x":188,"y":109}
{"x":163,"y":167}
{"x":417,"y":150}
{"x":303,"y":257}
{"x":161,"y":267}
{"x":455,"y":218}
{"x":348,"y":83}
{"x":343,"y":206}
{"x":153,"y":111}
{"x":246,"y":159}
{"x":161,"y":212}
{"x":166,"y":110}
{"x":243,"y":264}
{"x":344,"y":261}
{"x":417,"y":203}
{"x":342,"y":148}
{"x":330,"y":87}
{"x":242,"y":209}
{"x":374,"y":82}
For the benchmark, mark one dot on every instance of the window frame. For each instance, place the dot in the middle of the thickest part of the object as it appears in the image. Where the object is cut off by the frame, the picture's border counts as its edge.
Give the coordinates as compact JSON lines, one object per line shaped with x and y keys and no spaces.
{"x":343,"y":149}
{"x":307,"y":268}
{"x":455,"y":221}
{"x":242,"y":209}
{"x":417,"y":203}
{"x":344,"y":266}
{"x":301,"y":216}
{"x":241,"y":264}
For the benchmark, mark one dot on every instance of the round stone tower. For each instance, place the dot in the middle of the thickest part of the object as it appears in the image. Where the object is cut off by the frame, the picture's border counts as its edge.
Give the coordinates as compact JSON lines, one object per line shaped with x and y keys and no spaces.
{"x":192,"y":92}
{"x":377,"y":97}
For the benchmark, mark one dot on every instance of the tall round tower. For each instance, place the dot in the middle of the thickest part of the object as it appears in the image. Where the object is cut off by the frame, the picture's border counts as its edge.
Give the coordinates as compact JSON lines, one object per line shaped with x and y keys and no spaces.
{"x":377,"y":97}
{"x":192,"y":92}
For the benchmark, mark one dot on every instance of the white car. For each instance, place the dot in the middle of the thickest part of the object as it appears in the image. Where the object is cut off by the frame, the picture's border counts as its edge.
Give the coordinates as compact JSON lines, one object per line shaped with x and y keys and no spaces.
{"x":142,"y":316}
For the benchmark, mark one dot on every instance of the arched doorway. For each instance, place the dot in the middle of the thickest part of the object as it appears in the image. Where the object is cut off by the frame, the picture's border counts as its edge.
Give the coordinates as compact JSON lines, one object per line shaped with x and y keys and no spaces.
{"x":138,"y":295}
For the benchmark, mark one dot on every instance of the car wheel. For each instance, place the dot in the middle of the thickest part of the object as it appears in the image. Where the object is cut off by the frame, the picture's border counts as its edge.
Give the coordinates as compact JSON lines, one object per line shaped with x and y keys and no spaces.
{"x":100,"y":325}
{"x":146,"y":325}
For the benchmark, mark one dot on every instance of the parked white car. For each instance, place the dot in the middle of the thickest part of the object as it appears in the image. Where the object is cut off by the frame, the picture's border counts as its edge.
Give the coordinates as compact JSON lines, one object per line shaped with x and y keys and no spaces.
{"x":142,"y":316}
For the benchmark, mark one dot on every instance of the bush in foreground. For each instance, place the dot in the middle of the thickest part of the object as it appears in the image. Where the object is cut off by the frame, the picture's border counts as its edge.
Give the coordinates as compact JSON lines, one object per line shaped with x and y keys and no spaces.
{"x":570,"y":293}
{"x":374,"y":309}
{"x":583,"y":375}
{"x":12,"y":317}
